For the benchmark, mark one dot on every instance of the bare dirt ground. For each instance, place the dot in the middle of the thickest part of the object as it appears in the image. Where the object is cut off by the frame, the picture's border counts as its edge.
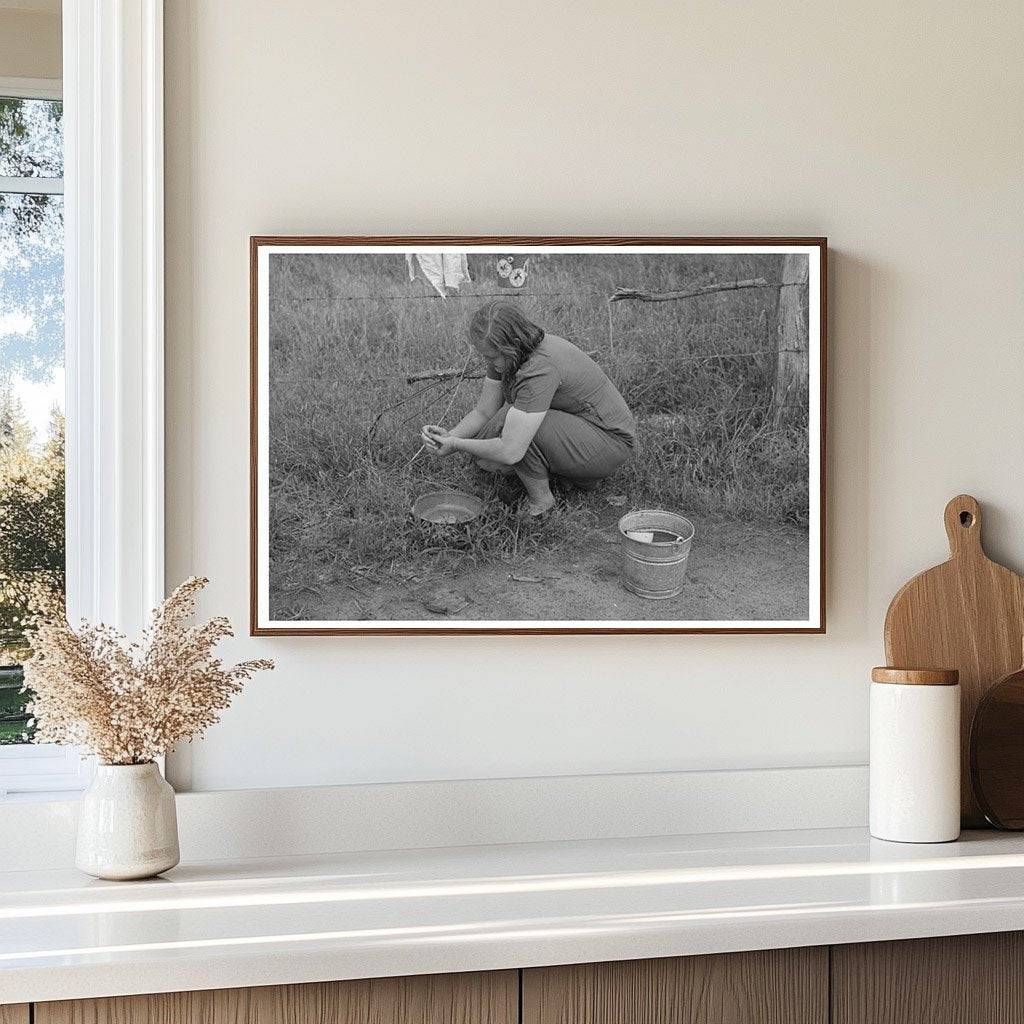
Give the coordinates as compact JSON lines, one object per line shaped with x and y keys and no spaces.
{"x":736,"y":571}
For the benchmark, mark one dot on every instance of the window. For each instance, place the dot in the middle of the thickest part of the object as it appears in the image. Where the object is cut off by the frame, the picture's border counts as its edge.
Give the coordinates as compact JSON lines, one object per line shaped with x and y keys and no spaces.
{"x":108,"y":206}
{"x":32,"y":513}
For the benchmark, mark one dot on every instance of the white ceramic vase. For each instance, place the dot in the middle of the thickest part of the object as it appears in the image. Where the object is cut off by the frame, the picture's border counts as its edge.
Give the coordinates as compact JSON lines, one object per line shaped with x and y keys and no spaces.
{"x":127,"y":825}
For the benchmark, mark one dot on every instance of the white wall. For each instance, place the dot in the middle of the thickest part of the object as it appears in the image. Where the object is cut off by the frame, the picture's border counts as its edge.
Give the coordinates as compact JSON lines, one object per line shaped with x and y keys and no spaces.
{"x":895,"y":129}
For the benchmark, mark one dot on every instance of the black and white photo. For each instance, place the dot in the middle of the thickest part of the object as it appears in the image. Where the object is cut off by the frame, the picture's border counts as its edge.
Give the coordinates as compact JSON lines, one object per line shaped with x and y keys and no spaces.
{"x":574,"y":435}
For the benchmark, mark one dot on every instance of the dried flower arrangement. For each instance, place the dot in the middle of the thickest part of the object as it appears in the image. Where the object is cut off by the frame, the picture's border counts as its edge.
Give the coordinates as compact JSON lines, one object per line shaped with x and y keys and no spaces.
{"x":129,"y":703}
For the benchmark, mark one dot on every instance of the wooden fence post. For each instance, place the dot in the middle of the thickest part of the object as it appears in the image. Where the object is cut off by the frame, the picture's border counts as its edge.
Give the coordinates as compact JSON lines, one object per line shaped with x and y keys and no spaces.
{"x":791,"y":337}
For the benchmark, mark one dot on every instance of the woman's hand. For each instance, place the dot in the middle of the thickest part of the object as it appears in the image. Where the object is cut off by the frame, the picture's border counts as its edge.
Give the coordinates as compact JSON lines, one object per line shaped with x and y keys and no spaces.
{"x":437,"y":441}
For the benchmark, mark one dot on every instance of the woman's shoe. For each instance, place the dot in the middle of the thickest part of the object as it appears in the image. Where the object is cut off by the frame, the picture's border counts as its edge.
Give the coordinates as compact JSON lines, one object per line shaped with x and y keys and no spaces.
{"x":536,"y":512}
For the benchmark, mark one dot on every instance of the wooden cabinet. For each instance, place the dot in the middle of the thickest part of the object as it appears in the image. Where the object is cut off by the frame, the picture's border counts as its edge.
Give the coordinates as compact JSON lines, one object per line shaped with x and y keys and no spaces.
{"x":963,"y":979}
{"x":970,"y":979}
{"x":777,"y":986}
{"x":491,"y":998}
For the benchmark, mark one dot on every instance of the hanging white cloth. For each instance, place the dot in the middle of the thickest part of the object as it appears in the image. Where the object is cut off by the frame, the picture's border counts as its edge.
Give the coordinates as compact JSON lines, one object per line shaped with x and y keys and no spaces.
{"x":442,"y":270}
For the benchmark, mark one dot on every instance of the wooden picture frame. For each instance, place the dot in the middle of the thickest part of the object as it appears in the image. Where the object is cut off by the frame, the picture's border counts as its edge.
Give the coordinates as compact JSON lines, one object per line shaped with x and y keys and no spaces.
{"x":645,"y":250}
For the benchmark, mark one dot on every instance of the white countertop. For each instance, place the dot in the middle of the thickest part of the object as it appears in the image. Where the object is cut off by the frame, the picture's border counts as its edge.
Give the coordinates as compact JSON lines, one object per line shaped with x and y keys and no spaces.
{"x":261,"y":922}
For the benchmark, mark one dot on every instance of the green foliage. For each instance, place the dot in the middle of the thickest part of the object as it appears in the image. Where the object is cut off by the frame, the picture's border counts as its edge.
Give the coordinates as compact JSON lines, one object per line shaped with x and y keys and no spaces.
{"x":31,"y":546}
{"x":31,"y":501}
{"x":13,"y":720}
{"x":31,"y":145}
{"x":30,"y":138}
{"x":31,"y":242}
{"x":31,"y":477}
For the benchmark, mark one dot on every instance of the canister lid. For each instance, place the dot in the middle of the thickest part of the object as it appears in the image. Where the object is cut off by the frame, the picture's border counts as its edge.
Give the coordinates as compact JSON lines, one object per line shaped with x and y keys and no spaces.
{"x":916,"y":676}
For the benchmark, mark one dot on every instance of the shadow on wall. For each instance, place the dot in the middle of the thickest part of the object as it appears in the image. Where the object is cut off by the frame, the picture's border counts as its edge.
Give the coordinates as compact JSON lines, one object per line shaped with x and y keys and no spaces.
{"x":854,"y":286}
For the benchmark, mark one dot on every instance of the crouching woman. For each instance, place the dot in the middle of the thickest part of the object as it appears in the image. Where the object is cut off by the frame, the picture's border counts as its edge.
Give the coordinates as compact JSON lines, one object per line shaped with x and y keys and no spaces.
{"x":545,"y":409}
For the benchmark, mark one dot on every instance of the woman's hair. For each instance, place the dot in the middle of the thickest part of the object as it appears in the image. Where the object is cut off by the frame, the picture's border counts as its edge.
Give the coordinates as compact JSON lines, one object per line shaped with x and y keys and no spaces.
{"x":502,"y":327}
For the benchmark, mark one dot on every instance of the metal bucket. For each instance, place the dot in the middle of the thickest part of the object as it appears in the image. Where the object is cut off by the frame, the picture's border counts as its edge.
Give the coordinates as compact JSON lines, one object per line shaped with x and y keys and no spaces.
{"x":654,"y":568}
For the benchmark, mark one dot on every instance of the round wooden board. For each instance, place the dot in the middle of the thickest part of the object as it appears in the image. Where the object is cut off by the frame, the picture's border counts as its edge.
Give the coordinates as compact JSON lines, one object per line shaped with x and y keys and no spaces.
{"x":997,"y":752}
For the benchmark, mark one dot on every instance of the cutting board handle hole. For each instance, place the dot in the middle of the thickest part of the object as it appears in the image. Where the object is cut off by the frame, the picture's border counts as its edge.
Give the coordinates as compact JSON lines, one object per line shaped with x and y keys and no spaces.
{"x":962,"y":518}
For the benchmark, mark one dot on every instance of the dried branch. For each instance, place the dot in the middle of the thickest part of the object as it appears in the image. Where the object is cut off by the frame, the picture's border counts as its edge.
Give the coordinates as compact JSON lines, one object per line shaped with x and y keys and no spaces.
{"x":129,"y":703}
{"x":708,"y":289}
{"x":396,"y":405}
{"x":446,"y":374}
{"x":448,"y":408}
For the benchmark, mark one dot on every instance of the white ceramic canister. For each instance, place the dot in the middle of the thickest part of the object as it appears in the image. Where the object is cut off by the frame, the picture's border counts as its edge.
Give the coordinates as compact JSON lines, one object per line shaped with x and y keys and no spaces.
{"x":127,"y":825}
{"x":915,"y":755}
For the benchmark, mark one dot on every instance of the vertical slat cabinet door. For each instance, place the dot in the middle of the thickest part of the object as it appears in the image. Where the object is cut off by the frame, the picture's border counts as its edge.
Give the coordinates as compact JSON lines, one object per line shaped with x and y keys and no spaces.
{"x":14,"y":1013}
{"x":778,"y":986}
{"x":960,"y":979}
{"x":481,"y":998}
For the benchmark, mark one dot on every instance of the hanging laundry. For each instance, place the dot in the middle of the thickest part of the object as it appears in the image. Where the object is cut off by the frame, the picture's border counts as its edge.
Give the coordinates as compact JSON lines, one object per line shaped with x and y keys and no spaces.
{"x":442,"y":270}
{"x":511,"y":271}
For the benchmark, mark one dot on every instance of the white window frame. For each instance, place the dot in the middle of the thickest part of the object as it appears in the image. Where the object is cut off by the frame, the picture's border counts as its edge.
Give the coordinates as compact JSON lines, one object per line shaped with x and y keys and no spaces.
{"x":114,"y":324}
{"x":32,"y":88}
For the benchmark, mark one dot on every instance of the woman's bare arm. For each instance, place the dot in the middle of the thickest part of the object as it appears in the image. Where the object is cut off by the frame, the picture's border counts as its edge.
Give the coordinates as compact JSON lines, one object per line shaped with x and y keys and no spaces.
{"x":508,"y":449}
{"x":488,"y":403}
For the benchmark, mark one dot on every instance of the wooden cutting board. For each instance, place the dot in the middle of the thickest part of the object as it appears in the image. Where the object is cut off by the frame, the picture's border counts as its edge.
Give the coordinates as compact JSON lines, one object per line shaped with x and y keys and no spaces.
{"x":967,"y":614}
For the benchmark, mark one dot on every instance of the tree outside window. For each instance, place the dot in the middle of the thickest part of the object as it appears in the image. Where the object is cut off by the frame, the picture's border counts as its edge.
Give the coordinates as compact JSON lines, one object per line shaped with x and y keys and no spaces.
{"x":31,"y":386}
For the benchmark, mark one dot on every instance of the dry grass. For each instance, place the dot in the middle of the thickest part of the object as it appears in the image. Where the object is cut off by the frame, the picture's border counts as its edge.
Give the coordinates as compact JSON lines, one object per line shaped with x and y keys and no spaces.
{"x":346,"y":332}
{"x":128,"y":703}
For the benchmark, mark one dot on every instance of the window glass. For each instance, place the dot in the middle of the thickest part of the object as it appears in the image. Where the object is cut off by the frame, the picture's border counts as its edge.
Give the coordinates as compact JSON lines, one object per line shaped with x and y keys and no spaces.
{"x":31,"y":138}
{"x":31,"y":387}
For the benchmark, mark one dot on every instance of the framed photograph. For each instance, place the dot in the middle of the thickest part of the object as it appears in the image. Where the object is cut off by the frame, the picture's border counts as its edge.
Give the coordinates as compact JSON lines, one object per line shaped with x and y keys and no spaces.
{"x":537,"y":435}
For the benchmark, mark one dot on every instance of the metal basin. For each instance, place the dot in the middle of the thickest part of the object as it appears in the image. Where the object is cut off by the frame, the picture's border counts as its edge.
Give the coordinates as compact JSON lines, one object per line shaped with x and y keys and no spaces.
{"x":447,"y":507}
